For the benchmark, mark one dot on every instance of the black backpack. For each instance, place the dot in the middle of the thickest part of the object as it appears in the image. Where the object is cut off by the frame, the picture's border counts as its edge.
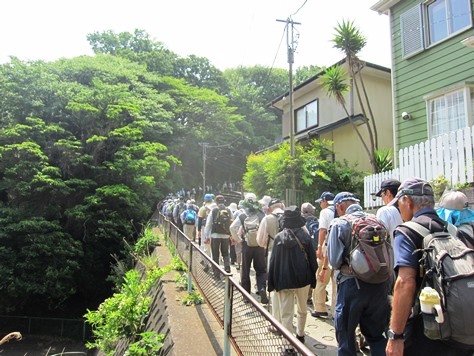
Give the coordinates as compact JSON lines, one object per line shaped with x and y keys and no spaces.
{"x":449,"y":269}
{"x":221,"y":220}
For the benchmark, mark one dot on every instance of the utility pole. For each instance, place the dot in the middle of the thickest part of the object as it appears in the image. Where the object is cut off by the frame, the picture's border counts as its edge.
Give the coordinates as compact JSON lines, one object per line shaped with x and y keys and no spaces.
{"x":204,"y":146}
{"x":290,"y":42}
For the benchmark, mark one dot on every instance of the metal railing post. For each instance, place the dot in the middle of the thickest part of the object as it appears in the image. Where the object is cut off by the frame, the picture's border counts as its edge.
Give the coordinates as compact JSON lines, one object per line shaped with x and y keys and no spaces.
{"x":190,"y":279}
{"x":227,"y":316}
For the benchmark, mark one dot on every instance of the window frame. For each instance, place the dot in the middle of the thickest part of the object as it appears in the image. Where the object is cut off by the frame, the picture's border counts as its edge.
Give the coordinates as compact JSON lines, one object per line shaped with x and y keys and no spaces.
{"x":422,"y":23}
{"x":468,"y":100}
{"x":428,"y":41}
{"x":306,"y":124}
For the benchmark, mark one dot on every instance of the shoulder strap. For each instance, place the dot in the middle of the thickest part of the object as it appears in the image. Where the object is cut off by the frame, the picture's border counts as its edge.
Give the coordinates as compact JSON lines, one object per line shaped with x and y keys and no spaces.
{"x":242,"y":218}
{"x":300,"y":245}
{"x":423,"y":231}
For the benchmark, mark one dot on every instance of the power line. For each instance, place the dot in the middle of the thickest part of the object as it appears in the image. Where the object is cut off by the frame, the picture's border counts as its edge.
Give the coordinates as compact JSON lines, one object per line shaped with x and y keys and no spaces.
{"x":300,"y":8}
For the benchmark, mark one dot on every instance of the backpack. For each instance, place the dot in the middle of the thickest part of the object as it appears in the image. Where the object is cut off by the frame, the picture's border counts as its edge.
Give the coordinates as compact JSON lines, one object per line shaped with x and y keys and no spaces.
{"x":449,"y":269}
{"x":280,"y":228}
{"x":371,"y":256}
{"x":190,"y":217}
{"x":313,"y":229}
{"x":250,"y":226}
{"x":221,"y":220}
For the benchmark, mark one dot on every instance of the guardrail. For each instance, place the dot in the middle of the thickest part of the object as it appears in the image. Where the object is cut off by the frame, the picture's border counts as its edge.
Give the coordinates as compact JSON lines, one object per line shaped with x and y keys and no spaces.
{"x":246,"y":323}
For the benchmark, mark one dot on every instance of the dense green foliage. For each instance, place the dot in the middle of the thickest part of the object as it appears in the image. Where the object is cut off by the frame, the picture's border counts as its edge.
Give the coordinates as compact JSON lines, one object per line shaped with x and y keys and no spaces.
{"x":89,"y":145}
{"x":271,"y":172}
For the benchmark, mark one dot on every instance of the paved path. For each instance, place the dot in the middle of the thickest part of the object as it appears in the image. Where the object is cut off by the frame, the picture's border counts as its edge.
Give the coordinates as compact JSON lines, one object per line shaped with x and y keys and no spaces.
{"x":319,"y":332}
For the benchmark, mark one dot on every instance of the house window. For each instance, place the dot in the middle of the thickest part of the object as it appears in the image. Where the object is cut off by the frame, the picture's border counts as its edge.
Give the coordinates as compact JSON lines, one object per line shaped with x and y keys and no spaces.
{"x":411,"y":25}
{"x":431,"y":22}
{"x":307,"y":116}
{"x":450,"y":112}
{"x":446,"y":17}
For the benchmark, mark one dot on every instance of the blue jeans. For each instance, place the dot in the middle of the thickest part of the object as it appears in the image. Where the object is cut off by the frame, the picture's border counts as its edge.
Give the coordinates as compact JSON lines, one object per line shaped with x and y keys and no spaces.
{"x":367,"y":307}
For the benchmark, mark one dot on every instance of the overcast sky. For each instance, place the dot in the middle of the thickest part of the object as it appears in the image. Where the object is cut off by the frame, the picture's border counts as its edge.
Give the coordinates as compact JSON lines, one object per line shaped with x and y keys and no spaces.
{"x":228,"y":33}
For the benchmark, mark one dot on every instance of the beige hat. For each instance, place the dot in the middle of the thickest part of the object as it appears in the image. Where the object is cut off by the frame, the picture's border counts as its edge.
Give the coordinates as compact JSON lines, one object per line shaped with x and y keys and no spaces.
{"x":454,"y":201}
{"x":307,"y":208}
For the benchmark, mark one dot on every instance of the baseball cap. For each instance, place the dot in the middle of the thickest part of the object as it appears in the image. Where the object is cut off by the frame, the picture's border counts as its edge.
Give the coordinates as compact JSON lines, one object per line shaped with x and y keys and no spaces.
{"x":220,"y":199}
{"x":327,"y":196}
{"x":454,"y":201}
{"x":345,"y":196}
{"x":274,"y":201}
{"x":388,"y":183}
{"x":412,"y":186}
{"x":207,"y":197}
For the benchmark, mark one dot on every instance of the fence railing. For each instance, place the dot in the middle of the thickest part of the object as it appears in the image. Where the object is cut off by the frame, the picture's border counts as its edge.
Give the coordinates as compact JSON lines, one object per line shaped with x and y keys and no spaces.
{"x":449,"y":155}
{"x":246,"y":324}
{"x":76,"y":329}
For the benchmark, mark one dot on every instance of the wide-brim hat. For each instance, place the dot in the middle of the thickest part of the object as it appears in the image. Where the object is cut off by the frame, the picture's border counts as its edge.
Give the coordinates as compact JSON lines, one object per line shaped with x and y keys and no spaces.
{"x":292,"y":218}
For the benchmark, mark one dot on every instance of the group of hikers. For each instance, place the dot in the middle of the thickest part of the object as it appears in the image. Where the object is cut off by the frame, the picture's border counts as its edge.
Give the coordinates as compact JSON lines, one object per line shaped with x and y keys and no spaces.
{"x":402,"y":278}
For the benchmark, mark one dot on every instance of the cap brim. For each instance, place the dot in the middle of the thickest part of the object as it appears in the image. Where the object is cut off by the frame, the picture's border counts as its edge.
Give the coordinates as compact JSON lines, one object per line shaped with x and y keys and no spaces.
{"x":330,"y":202}
{"x":379,"y":193}
{"x":318,"y":200}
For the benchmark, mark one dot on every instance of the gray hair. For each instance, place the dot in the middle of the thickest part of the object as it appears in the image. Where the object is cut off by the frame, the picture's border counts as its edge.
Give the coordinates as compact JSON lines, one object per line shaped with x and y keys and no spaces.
{"x":423,"y":201}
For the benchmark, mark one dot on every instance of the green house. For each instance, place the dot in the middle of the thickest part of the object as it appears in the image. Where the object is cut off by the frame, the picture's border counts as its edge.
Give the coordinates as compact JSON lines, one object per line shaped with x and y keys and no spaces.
{"x":432,"y":67}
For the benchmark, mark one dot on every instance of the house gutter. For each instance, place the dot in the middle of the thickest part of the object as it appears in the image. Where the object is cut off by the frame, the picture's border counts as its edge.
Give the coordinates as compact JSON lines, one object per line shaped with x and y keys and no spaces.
{"x":383,"y":6}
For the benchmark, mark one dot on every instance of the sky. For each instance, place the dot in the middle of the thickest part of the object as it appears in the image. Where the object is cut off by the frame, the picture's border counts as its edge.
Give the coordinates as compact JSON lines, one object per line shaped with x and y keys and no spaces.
{"x":229,"y":33}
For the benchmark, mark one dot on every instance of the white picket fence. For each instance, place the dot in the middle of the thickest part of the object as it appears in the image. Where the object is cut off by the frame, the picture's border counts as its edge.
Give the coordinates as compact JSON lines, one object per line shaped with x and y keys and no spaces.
{"x":448,"y":155}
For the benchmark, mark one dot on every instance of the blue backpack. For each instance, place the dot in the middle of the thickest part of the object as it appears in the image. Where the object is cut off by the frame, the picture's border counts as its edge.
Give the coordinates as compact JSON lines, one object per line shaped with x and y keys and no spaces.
{"x":190,"y":217}
{"x":313,"y":229}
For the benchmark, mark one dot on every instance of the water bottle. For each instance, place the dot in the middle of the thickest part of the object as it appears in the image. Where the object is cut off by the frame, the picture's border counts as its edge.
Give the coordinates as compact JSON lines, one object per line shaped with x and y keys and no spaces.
{"x":432,"y":312}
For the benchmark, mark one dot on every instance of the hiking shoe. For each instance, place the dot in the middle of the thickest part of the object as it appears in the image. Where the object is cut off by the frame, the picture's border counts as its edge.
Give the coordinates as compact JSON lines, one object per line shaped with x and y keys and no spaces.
{"x":317,"y":314}
{"x":300,"y":338}
{"x":263,"y":296}
{"x":238,"y":267}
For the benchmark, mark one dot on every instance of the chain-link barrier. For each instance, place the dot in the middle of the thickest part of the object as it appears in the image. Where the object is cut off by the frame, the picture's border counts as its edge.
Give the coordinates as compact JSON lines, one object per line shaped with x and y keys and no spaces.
{"x":247,"y":325}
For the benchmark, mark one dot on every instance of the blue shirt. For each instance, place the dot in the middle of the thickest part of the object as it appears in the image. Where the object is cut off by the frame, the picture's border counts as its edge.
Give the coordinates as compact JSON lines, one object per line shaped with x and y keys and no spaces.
{"x":403,"y":247}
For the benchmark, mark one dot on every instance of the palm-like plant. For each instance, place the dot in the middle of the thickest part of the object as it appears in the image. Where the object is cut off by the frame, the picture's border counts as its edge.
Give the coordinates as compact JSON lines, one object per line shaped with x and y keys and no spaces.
{"x":334,"y":82}
{"x":351,"y":41}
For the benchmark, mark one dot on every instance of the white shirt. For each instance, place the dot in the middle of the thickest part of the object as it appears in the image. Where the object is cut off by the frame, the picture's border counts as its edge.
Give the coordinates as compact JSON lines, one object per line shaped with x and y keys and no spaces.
{"x":325,"y":217}
{"x":390,"y":218}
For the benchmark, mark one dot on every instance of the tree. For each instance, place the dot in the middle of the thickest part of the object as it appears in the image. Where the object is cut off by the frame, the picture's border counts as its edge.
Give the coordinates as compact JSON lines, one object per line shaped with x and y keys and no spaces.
{"x":270,"y":172}
{"x":306,"y":72}
{"x":350,"y":41}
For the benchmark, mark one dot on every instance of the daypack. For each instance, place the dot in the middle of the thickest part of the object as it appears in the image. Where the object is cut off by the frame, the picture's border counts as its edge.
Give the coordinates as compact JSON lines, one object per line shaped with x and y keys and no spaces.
{"x":221,"y":220}
{"x":250,"y":226}
{"x":313,"y":229}
{"x":449,"y":269}
{"x":190,"y":217}
{"x":371,"y":256}
{"x":280,"y":228}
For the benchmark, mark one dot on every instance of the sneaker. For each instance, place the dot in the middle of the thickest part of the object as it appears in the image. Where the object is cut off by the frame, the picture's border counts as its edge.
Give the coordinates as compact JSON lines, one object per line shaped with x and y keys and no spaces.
{"x":237,"y":267}
{"x":263,"y":296}
{"x":300,"y":338}
{"x":317,"y":314}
